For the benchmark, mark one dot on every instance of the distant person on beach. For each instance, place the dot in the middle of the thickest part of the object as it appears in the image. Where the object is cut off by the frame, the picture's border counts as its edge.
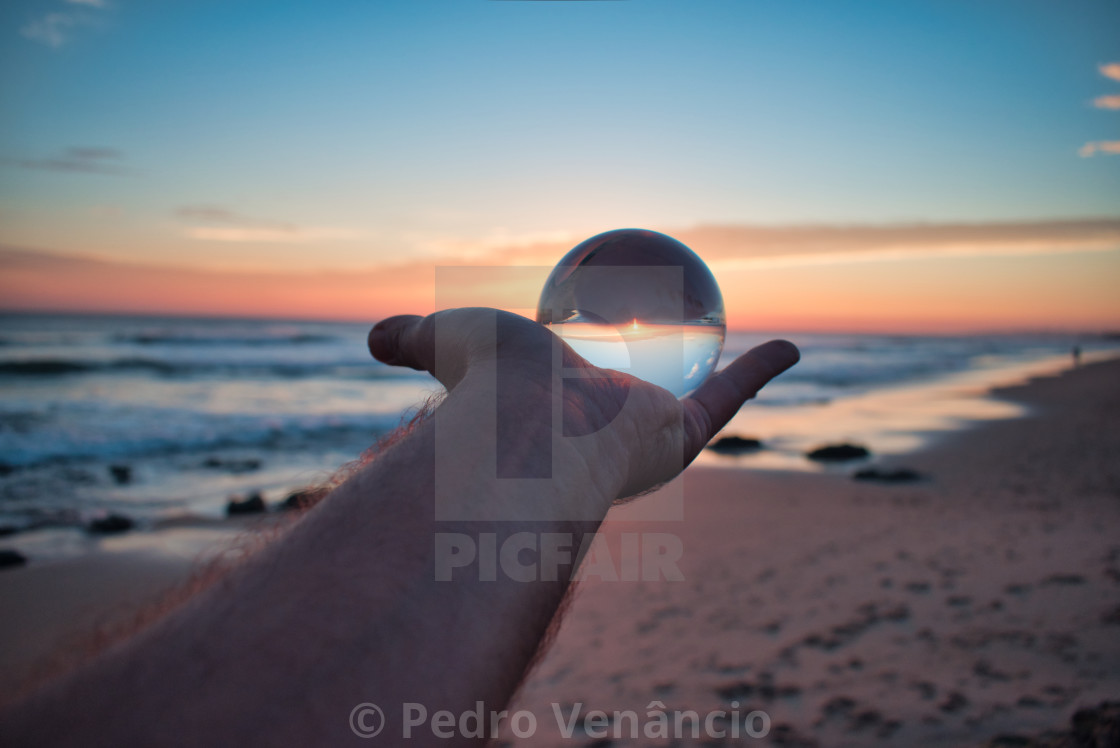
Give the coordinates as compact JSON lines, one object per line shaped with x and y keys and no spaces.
{"x":1076,"y":353}
{"x":346,"y":607}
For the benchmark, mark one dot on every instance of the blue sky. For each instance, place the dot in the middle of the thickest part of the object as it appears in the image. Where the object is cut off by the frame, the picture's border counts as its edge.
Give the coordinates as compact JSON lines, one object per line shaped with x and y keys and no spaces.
{"x":415,"y":127}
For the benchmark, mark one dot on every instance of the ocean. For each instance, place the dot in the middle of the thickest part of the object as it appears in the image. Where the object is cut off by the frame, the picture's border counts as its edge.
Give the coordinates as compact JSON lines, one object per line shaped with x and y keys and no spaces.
{"x":156,"y":417}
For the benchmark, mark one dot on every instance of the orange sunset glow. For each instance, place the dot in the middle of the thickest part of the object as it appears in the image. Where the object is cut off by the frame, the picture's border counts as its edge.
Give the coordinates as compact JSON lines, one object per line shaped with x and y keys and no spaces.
{"x":917,"y":279}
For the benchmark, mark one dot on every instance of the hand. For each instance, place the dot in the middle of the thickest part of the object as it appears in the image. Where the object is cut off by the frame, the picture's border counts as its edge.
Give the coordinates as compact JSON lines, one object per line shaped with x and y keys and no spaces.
{"x":630,"y":434}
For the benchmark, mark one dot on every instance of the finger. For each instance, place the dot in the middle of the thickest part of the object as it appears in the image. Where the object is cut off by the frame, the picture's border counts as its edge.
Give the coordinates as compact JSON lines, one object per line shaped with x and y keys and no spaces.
{"x":404,"y":340}
{"x":441,"y":344}
{"x":715,"y":402}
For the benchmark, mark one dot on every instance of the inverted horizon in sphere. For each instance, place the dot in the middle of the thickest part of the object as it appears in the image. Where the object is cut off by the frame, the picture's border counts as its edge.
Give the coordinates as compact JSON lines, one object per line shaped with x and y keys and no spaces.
{"x":641,"y":302}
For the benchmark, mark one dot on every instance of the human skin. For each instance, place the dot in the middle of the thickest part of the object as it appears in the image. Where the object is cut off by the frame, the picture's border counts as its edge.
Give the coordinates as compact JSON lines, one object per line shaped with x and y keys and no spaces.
{"x":344,"y":607}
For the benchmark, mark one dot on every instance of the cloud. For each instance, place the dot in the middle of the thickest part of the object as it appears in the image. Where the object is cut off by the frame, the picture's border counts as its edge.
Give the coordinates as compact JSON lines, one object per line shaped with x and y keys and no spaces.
{"x":1109,"y":147}
{"x":742,"y":246}
{"x":78,"y":159}
{"x":1110,"y":70}
{"x":205,"y":213}
{"x":225,"y":216}
{"x":1107,"y":102}
{"x":52,"y":29}
{"x":219,"y":224}
{"x":55,"y":29}
{"x":247,"y":234}
{"x":773,"y":246}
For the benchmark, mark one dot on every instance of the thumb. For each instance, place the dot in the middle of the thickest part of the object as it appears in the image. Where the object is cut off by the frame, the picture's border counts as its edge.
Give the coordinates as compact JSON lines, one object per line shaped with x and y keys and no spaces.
{"x":412,"y":341}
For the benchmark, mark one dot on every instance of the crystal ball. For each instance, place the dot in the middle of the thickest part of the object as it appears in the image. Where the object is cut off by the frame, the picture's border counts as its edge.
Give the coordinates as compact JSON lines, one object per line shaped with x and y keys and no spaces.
{"x":640,"y":302}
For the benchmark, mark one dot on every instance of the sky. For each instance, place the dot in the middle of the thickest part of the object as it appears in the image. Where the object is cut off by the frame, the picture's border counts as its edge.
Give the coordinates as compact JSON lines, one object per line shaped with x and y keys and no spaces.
{"x":894,"y":165}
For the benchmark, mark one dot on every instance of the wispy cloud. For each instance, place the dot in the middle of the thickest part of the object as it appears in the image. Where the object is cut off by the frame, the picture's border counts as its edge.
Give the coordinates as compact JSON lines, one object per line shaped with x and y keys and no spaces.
{"x":225,"y":216}
{"x":758,"y":246}
{"x":53,"y":29}
{"x":288,"y":235}
{"x":78,"y":159}
{"x":220,"y":224}
{"x":1107,"y":102}
{"x":732,"y":246}
{"x":1107,"y":147}
{"x":56,"y":28}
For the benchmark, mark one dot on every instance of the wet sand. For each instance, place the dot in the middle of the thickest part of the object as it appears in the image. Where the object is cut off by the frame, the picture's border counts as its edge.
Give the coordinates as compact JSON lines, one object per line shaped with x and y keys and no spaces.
{"x":78,"y":589}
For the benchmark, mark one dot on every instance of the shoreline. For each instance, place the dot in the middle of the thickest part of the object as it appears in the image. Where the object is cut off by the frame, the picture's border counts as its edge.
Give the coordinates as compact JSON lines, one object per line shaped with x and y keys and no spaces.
{"x":892,"y":421}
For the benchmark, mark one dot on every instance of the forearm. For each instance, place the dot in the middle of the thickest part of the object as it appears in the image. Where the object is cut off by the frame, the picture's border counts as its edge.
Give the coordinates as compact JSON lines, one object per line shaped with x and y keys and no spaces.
{"x":345,"y":608}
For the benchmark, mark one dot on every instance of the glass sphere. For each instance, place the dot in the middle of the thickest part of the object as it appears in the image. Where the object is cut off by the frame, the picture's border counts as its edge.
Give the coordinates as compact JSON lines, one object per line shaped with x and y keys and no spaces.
{"x":640,"y":302}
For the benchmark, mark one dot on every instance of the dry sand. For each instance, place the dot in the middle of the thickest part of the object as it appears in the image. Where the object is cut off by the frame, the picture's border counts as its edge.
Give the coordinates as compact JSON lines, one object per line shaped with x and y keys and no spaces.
{"x":983,"y":600}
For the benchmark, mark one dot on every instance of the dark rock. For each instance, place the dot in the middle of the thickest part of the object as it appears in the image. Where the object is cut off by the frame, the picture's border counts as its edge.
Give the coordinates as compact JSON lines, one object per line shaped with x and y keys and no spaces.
{"x":253,"y":504}
{"x":6,"y":469}
{"x":954,"y":702}
{"x":122,"y":474}
{"x":247,"y":465}
{"x":6,"y":530}
{"x":902,"y":475}
{"x":111,"y":523}
{"x":10,"y":558}
{"x":305,"y":498}
{"x":838,"y":705}
{"x":1097,"y":727}
{"x":864,"y":719}
{"x":735,"y":445}
{"x":838,"y":453}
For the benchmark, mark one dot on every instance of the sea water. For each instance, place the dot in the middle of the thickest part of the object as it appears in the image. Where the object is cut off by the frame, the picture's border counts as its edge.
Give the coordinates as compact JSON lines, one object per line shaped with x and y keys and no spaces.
{"x":676,"y":357}
{"x":201,"y":409}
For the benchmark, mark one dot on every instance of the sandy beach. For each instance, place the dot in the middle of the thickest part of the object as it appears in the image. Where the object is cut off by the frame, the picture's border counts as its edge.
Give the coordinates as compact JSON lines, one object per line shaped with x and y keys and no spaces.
{"x":983,"y":600}
{"x":979,"y":601}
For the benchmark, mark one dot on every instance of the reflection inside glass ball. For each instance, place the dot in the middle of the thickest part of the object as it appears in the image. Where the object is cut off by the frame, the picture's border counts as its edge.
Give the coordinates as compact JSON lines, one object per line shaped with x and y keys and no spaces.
{"x":640,"y":302}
